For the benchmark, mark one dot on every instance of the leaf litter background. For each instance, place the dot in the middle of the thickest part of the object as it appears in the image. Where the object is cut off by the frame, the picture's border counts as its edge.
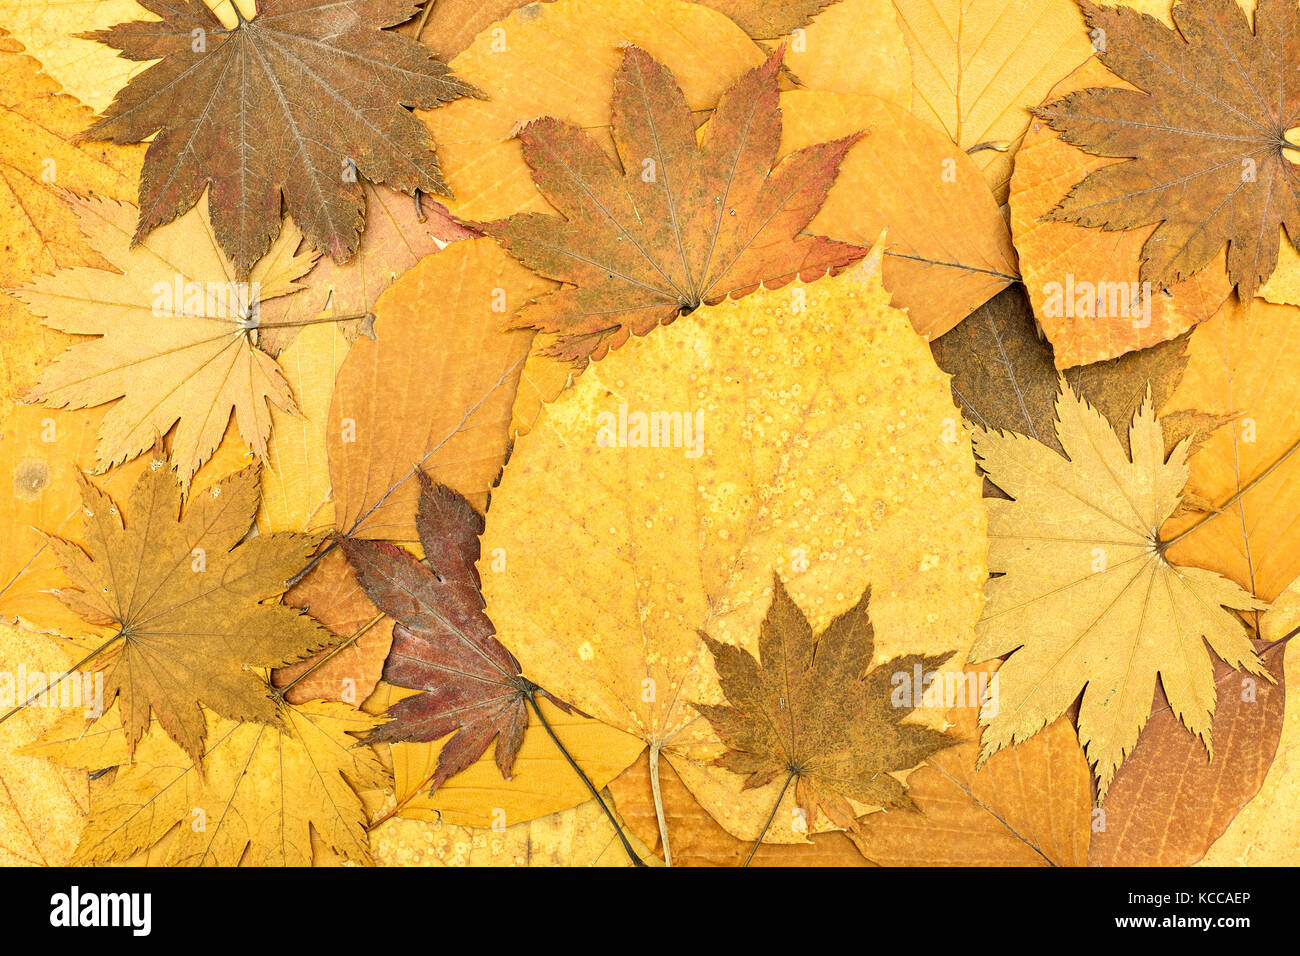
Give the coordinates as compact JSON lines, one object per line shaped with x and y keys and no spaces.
{"x":352,"y":563}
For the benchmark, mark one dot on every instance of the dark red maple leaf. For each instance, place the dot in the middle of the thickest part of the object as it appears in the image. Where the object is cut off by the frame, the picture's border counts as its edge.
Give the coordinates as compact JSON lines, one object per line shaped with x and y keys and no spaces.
{"x":443,"y":642}
{"x":674,"y":224}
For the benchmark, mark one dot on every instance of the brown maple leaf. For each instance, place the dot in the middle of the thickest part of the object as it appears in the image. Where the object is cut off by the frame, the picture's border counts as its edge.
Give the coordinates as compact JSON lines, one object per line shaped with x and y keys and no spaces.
{"x":185,"y":595}
{"x":296,"y":102}
{"x":673,"y":224}
{"x":443,"y":643}
{"x":1205,"y":136}
{"x":815,"y":710}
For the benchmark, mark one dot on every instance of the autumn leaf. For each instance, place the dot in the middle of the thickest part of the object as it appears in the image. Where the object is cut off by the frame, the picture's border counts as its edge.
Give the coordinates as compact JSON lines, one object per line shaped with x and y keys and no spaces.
{"x":1171,"y":801}
{"x":769,"y":19}
{"x":184,"y":595}
{"x":262,"y":791}
{"x":852,"y":46}
{"x":1030,"y":805}
{"x":449,"y":26}
{"x":806,"y":466}
{"x":978,"y":65}
{"x":1208,"y":152}
{"x":673,"y":225}
{"x":1085,"y":284}
{"x":39,"y":233}
{"x":1085,"y":599}
{"x":329,"y":87}
{"x":198,"y":365}
{"x":443,"y":643}
{"x":813,"y":709}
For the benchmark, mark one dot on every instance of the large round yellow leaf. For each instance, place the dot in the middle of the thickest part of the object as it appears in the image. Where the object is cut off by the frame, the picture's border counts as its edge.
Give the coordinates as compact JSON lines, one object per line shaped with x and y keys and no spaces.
{"x":800,"y":460}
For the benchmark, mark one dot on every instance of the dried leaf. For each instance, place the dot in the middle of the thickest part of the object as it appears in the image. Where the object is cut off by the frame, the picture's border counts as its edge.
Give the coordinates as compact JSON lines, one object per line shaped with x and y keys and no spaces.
{"x":330,"y":86}
{"x":1207,"y":158}
{"x":184,"y":599}
{"x":1086,"y":600}
{"x":674,"y":224}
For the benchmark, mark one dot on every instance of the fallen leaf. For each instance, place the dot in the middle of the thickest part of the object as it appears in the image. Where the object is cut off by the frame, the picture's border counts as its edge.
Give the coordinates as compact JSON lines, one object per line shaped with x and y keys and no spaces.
{"x":184,"y":600}
{"x":1086,"y":600}
{"x":978,"y":65}
{"x":394,"y":240}
{"x":805,"y":466}
{"x":559,"y":60}
{"x":330,"y":86}
{"x":432,"y":393}
{"x":1266,"y":831}
{"x":949,"y":249}
{"x":200,"y":364}
{"x":1085,"y":284}
{"x":1030,"y":805}
{"x":697,"y":840}
{"x":41,"y":806}
{"x":813,"y":709}
{"x":262,"y":792}
{"x":853,"y":46}
{"x":39,"y":233}
{"x":1170,"y":801}
{"x":769,"y":19}
{"x":478,"y":797}
{"x":1245,"y":475}
{"x":451,"y":25}
{"x":443,"y":644}
{"x":579,"y":836}
{"x":674,"y":224}
{"x":1207,"y":159}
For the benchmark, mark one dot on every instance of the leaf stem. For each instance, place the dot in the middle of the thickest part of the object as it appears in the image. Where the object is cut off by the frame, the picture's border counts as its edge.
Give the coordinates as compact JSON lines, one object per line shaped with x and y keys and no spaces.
{"x":660,"y":818}
{"x":424,"y":18}
{"x":771,"y":816}
{"x":279,"y":692}
{"x":66,"y":674}
{"x":530,"y":691}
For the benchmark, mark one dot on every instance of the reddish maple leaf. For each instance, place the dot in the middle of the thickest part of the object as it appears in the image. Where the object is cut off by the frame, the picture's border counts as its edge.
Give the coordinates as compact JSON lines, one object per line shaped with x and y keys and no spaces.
{"x":1204,"y":136}
{"x":295,"y":101}
{"x":674,"y":224}
{"x":443,"y":643}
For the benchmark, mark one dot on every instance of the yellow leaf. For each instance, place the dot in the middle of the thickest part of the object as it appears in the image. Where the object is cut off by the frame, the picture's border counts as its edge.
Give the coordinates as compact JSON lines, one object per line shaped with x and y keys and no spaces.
{"x":978,"y":65}
{"x":949,"y":248}
{"x":260,"y":791}
{"x":1085,"y":600}
{"x":197,"y":365}
{"x":799,"y":461}
{"x":853,"y":46}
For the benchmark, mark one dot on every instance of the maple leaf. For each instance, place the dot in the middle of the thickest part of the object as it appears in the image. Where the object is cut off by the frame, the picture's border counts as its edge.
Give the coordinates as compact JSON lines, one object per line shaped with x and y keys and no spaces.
{"x":443,"y":642}
{"x":813,"y":708}
{"x":1085,"y":600}
{"x":184,"y":594}
{"x":176,"y":337}
{"x":674,"y":224}
{"x":1205,"y":135}
{"x":261,"y":794}
{"x":294,"y":102}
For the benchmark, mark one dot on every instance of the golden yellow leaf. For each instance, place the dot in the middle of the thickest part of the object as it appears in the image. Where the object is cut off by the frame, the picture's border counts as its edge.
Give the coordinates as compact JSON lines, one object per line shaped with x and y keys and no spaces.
{"x":853,"y":46}
{"x":433,"y":391}
{"x":798,"y":461}
{"x":1247,"y":472}
{"x":978,"y":65}
{"x":199,"y":364}
{"x":1085,"y":600}
{"x":261,"y":791}
{"x":41,"y":806}
{"x":1267,"y":831}
{"x":949,"y":249}
{"x":558,"y":59}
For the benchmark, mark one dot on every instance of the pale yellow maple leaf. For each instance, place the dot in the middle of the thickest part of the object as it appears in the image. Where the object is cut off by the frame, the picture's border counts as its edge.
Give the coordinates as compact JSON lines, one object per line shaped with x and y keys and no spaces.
{"x":176,"y":336}
{"x":261,"y":792}
{"x":1085,"y":600}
